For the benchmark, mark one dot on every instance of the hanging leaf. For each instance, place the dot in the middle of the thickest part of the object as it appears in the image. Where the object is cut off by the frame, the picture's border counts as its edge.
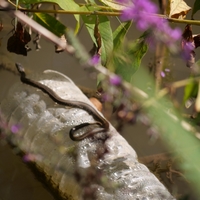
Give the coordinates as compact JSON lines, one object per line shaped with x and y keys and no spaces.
{"x":97,"y":36}
{"x":68,"y":5}
{"x":190,"y":90}
{"x":178,"y":9}
{"x":17,"y":43}
{"x":104,"y":30}
{"x":50,"y":23}
{"x":59,"y":49}
{"x":120,"y":33}
{"x":189,"y":37}
{"x":187,"y":33}
{"x":195,"y":8}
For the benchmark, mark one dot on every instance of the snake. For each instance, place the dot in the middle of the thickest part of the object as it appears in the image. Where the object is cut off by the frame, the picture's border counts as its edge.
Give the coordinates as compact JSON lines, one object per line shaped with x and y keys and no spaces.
{"x":101,"y":121}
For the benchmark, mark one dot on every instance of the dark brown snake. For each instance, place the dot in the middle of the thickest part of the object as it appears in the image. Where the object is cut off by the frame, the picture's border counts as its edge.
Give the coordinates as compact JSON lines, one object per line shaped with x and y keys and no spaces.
{"x":78,"y":104}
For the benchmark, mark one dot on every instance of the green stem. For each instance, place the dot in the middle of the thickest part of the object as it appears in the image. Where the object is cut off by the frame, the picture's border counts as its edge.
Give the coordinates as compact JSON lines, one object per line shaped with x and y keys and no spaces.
{"x":72,"y":12}
{"x":177,"y":84}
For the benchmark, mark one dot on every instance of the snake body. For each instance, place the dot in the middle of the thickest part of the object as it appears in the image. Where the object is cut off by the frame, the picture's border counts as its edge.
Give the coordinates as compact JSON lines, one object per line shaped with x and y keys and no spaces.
{"x":78,"y":104}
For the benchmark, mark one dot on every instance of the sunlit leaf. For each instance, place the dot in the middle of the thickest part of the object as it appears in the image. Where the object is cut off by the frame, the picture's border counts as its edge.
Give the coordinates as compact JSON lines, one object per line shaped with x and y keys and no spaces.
{"x":178,"y":9}
{"x":195,"y":8}
{"x":50,"y":23}
{"x":68,"y":5}
{"x":190,"y":90}
{"x":116,"y":5}
{"x":104,"y":30}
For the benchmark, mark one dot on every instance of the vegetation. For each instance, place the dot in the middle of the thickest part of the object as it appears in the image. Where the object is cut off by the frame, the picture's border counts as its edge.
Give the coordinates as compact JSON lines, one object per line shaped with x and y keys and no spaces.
{"x":116,"y":61}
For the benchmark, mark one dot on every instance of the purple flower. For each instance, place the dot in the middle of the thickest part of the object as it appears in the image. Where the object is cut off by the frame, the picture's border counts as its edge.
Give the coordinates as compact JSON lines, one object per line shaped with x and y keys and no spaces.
{"x":95,"y":59}
{"x":15,"y":128}
{"x":162,"y":74}
{"x":143,"y":13}
{"x":115,"y":80}
{"x":29,"y":157}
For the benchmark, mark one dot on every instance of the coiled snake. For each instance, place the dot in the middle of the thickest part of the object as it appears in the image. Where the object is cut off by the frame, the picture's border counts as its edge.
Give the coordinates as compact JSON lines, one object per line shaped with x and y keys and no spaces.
{"x":103,"y":123}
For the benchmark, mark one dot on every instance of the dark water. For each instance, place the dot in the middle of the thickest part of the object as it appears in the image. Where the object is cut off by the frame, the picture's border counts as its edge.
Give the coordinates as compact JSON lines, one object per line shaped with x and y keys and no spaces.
{"x":16,"y":179}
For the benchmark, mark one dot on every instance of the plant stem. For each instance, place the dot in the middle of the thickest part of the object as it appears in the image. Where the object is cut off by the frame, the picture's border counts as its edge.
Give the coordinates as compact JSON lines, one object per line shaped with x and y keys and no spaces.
{"x":105,"y":13}
{"x":72,"y":12}
{"x":177,"y":84}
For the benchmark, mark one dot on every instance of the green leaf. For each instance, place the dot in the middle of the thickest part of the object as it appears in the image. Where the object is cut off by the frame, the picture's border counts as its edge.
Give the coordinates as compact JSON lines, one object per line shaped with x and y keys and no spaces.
{"x":120,"y":33}
{"x":50,"y":23}
{"x":195,"y":8}
{"x":190,"y":90}
{"x":104,"y":29}
{"x":68,"y":5}
{"x":127,"y":61}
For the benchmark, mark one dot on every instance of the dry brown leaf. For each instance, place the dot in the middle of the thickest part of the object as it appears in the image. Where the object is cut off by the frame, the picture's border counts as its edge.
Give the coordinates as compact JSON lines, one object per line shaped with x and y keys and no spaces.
{"x":178,"y":9}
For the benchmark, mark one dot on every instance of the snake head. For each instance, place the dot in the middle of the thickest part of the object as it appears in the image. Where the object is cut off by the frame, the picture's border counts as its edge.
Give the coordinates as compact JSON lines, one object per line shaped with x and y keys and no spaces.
{"x":20,"y":69}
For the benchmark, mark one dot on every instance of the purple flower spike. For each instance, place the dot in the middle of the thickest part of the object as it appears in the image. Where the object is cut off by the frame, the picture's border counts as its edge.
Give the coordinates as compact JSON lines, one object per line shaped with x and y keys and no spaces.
{"x":142,"y":12}
{"x":15,"y":128}
{"x":95,"y":59}
{"x":115,"y":80}
{"x":162,"y":74}
{"x":27,"y":158}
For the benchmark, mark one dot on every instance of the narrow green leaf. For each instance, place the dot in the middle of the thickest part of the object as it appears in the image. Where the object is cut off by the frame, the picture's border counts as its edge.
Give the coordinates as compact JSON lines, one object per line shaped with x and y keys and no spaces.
{"x":195,"y":8}
{"x":106,"y":37}
{"x":120,"y":33}
{"x":50,"y":23}
{"x":190,"y":90}
{"x":104,"y":29}
{"x":68,"y":5}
